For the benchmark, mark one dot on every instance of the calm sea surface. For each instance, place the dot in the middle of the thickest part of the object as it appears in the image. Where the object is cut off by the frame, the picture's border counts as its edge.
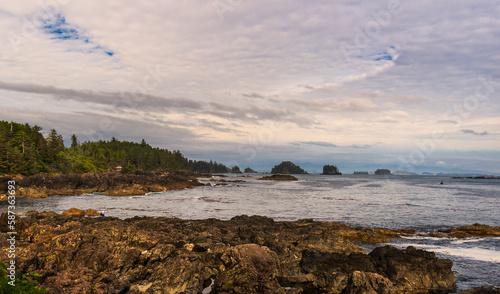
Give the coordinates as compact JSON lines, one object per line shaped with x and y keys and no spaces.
{"x":393,"y":202}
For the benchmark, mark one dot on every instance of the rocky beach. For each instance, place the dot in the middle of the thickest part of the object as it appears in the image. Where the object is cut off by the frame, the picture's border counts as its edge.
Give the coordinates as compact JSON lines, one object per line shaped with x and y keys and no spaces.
{"x":77,"y":254}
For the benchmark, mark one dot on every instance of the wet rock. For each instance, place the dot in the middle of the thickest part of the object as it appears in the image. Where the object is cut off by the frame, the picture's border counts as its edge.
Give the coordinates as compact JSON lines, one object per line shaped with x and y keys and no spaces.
{"x":74,"y":212}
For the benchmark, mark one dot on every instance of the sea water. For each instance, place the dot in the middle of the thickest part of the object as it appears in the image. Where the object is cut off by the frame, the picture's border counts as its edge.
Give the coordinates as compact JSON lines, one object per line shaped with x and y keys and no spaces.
{"x":394,"y":202}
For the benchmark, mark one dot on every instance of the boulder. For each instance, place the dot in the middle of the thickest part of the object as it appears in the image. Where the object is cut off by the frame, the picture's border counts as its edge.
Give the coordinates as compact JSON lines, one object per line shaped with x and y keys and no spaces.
{"x":31,"y":212}
{"x":47,"y":213}
{"x":91,"y":212}
{"x":249,"y":268}
{"x":74,"y":212}
{"x":414,"y":270}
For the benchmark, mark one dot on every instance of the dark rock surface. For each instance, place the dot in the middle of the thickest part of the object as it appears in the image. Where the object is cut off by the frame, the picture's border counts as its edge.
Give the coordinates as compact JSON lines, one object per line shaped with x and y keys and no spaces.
{"x":76,"y":254}
{"x":112,"y":183}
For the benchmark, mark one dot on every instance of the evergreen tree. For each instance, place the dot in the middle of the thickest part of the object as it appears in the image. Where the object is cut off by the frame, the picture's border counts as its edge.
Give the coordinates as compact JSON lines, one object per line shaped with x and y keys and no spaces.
{"x":287,"y":167}
{"x":74,"y":141}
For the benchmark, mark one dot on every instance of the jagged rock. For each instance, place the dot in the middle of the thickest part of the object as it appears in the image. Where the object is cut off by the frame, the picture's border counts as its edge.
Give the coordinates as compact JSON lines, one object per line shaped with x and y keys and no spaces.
{"x":250,"y":268}
{"x":413,"y":269}
{"x":257,"y":254}
{"x":368,"y":283}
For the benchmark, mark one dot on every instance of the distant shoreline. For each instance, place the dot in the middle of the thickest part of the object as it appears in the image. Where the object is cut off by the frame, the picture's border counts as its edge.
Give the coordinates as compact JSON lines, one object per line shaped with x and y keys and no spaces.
{"x":107,"y":183}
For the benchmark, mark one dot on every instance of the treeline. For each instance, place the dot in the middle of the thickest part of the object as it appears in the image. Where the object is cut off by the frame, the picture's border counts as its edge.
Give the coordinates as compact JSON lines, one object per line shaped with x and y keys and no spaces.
{"x":25,"y":150}
{"x":207,"y":167}
{"x":287,"y":167}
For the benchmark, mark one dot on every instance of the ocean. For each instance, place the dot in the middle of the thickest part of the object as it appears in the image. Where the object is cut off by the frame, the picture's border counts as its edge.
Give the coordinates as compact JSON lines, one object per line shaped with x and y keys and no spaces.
{"x":393,"y":202}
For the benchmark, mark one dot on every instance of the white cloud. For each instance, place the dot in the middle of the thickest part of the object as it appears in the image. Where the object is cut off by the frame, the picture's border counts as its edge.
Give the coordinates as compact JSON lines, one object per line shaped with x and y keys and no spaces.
{"x":267,"y":61}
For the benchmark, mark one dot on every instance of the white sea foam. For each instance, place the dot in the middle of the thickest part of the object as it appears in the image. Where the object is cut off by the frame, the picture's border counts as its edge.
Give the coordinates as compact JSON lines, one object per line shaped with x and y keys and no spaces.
{"x":469,"y":240}
{"x":473,"y":253}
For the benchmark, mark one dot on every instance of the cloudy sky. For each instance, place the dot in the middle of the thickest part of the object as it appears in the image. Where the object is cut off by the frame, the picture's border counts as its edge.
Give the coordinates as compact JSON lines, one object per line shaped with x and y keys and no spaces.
{"x":408,"y":85}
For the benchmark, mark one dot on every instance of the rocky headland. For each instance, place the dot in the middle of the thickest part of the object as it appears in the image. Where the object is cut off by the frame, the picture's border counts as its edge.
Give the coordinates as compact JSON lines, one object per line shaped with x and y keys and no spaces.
{"x":110,"y":183}
{"x":78,"y":254}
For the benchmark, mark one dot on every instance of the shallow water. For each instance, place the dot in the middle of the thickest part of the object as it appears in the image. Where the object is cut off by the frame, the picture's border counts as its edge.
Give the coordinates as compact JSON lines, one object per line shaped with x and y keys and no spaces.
{"x":393,"y":202}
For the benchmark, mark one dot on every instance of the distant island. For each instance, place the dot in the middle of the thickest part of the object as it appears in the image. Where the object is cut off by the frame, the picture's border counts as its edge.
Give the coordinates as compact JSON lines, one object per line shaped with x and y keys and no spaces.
{"x":279,"y":177}
{"x":360,"y":173}
{"x":331,"y":170}
{"x":235,"y":170}
{"x":287,"y":167}
{"x":383,"y":171}
{"x":249,"y":171}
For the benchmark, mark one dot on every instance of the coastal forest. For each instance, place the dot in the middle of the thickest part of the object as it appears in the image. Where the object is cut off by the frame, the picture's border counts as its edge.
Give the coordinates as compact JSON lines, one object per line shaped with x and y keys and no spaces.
{"x":25,"y":150}
{"x":287,"y":167}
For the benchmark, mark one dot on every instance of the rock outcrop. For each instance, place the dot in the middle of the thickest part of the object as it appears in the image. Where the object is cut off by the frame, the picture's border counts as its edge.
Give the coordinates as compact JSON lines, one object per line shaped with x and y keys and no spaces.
{"x":75,"y":254}
{"x":113,"y":183}
{"x":279,"y":177}
{"x":475,"y":230}
{"x":382,"y":172}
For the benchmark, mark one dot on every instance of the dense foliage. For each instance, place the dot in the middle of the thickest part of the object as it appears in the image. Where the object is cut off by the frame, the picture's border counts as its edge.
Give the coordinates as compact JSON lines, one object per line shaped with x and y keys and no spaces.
{"x":25,"y":150}
{"x":287,"y":167}
{"x":330,"y":170}
{"x":249,"y":170}
{"x":24,"y":283}
{"x":207,"y":167}
{"x":382,"y":172}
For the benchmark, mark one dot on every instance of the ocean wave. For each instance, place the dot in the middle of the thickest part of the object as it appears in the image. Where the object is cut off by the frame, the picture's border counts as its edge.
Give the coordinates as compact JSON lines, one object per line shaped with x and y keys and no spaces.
{"x":472,"y":253}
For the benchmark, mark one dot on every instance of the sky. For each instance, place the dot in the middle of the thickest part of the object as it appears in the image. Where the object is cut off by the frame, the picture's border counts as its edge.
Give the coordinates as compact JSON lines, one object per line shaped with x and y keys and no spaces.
{"x":399,"y":84}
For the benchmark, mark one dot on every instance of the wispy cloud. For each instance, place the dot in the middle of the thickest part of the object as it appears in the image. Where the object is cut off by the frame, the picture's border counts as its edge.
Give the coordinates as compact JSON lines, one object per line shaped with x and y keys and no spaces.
{"x":316,"y":143}
{"x":278,"y":73}
{"x":472,"y":132}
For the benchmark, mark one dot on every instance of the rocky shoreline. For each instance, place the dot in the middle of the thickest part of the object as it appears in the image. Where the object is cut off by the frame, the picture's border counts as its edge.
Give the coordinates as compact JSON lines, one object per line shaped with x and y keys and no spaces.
{"x":77,"y":254}
{"x":110,"y":183}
